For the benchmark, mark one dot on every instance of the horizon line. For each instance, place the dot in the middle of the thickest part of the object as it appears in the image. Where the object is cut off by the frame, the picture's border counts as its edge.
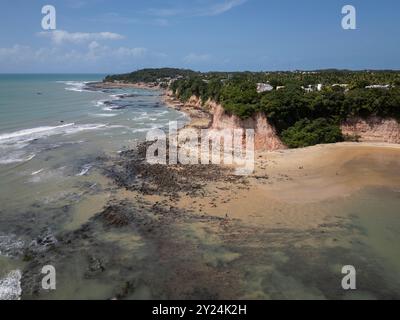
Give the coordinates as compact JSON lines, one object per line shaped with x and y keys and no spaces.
{"x":209,"y":71}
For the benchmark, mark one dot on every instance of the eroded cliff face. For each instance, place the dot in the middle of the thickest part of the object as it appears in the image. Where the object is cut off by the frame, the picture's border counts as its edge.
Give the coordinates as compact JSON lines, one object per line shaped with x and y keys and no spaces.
{"x":373,"y":129}
{"x":194,"y":102}
{"x":265,"y":137}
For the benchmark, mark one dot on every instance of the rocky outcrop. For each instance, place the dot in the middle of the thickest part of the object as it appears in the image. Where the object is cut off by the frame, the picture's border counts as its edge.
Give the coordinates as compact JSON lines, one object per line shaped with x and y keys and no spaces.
{"x":194,"y":102}
{"x":265,"y":137}
{"x":372,"y":129}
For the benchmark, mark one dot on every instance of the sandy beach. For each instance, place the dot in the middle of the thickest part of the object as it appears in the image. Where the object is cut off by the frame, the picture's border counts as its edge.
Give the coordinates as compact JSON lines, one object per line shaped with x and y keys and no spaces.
{"x":290,"y":176}
{"x":301,"y":216}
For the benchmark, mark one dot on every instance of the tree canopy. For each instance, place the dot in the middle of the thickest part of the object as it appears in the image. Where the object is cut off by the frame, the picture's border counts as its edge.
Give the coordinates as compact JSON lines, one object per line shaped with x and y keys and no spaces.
{"x":301,"y":117}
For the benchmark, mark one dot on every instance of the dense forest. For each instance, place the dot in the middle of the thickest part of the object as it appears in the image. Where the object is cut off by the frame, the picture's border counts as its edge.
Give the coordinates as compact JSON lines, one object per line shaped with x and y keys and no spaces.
{"x":302,"y":114}
{"x":152,"y":75}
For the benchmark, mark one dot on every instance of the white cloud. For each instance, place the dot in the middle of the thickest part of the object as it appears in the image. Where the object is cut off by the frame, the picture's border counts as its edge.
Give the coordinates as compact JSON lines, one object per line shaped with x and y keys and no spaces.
{"x":92,"y":57}
{"x":94,"y":45}
{"x":16,"y":54}
{"x":163,"y":16}
{"x":221,"y":8}
{"x":196,"y":58}
{"x":5,"y":52}
{"x":210,"y":9}
{"x":130,"y":52}
{"x":61,"y":36}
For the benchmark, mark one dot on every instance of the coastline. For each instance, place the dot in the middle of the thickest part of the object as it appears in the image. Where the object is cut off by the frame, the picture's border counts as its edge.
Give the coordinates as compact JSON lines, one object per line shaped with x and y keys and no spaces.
{"x":278,"y":172}
{"x":201,"y":119}
{"x":206,"y":233}
{"x":120,"y":85}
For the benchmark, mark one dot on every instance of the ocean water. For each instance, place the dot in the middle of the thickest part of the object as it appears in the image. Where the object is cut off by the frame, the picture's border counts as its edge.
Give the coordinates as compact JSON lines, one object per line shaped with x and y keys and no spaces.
{"x":52,"y":132}
{"x":38,"y":108}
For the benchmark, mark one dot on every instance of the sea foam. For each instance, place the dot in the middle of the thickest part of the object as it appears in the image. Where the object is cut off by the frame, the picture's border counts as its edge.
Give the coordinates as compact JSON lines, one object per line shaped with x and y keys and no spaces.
{"x":10,"y":286}
{"x":85,"y":169}
{"x":77,"y":86}
{"x":12,"y":145}
{"x":10,"y":245}
{"x":41,"y":132}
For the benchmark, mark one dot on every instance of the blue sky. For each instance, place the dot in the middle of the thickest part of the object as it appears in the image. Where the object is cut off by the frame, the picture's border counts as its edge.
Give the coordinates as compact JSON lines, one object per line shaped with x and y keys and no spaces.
{"x":104,"y":36}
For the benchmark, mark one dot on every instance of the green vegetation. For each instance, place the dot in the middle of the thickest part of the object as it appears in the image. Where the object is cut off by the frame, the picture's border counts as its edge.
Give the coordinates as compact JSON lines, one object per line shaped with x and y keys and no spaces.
{"x":150,"y":75}
{"x":301,"y":117}
{"x":240,"y":98}
{"x":307,"y":133}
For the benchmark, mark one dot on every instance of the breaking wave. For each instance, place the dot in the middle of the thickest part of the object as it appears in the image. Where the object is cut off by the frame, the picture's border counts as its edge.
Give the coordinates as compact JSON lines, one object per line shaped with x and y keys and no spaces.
{"x":77,"y":86}
{"x":12,"y":144}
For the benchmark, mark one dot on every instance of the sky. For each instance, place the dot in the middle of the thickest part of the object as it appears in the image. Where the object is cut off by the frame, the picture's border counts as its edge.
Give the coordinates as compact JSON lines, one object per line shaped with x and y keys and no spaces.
{"x":114,"y":36}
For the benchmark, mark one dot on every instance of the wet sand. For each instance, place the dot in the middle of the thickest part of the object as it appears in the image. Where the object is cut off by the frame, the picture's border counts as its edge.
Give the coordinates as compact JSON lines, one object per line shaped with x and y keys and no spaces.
{"x":286,"y":181}
{"x":284,"y":232}
{"x":293,"y":178}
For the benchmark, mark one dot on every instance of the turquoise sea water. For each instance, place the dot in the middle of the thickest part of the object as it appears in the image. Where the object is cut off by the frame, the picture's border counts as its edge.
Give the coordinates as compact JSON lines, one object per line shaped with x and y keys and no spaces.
{"x":52,"y":131}
{"x":33,"y":107}
{"x":42,"y":100}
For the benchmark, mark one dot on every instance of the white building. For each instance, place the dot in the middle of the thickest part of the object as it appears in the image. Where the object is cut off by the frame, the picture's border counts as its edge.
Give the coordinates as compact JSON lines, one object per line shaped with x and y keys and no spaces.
{"x":378,"y":86}
{"x":309,"y":88}
{"x":264,"y":87}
